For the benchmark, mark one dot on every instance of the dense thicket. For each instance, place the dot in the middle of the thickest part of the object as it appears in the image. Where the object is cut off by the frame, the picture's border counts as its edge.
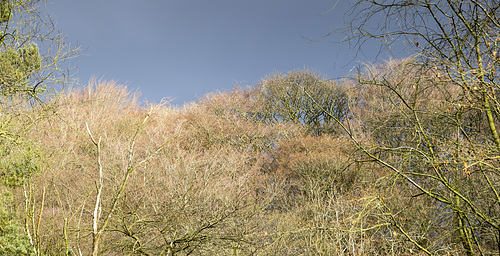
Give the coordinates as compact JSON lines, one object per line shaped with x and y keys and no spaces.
{"x":114,"y":177}
{"x":211,"y":178}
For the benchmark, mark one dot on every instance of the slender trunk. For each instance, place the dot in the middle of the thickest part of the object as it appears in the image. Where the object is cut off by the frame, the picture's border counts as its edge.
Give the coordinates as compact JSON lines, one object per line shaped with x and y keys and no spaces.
{"x":491,"y":121}
{"x":465,"y":237}
{"x":484,"y":94}
{"x":95,"y":246}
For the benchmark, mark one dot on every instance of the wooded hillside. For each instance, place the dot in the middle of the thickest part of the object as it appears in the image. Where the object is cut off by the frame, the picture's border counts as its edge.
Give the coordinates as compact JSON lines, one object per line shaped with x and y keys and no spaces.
{"x":399,"y":159}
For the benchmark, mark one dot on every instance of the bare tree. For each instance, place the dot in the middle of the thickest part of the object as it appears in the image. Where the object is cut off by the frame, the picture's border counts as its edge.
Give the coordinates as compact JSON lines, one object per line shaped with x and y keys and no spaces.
{"x":436,"y":125}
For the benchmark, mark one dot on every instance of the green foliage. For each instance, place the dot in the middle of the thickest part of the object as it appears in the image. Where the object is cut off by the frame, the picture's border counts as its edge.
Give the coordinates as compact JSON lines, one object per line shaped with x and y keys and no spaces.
{"x":19,"y":58}
{"x":13,"y":241}
{"x":24,"y":67}
{"x":302,"y":97}
{"x":16,"y":67}
{"x":17,"y":164}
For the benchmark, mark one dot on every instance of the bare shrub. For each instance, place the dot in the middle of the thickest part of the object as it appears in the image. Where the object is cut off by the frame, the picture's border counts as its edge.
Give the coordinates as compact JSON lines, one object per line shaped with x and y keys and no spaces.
{"x":195,"y":195}
{"x":202,"y":179}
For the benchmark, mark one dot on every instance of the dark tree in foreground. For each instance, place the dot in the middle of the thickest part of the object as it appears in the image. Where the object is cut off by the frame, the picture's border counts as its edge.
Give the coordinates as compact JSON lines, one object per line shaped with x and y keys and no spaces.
{"x":434,"y":126}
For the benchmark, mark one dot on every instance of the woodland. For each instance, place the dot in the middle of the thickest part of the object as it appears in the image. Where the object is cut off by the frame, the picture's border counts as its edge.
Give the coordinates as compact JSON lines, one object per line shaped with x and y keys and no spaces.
{"x":401,"y":158}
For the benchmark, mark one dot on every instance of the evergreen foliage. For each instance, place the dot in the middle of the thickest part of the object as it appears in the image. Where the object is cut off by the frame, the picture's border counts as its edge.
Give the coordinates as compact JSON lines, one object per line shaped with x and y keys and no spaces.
{"x":13,"y":241}
{"x":19,"y":58}
{"x":25,"y":72}
{"x":16,"y":67}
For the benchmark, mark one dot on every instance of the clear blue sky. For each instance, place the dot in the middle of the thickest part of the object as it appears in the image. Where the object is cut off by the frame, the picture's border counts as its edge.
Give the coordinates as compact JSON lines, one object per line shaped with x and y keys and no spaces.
{"x":183,"y":49}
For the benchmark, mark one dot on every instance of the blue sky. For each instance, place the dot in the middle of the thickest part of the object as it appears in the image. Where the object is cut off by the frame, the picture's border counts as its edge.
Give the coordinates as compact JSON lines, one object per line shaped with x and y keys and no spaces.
{"x":183,"y":49}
